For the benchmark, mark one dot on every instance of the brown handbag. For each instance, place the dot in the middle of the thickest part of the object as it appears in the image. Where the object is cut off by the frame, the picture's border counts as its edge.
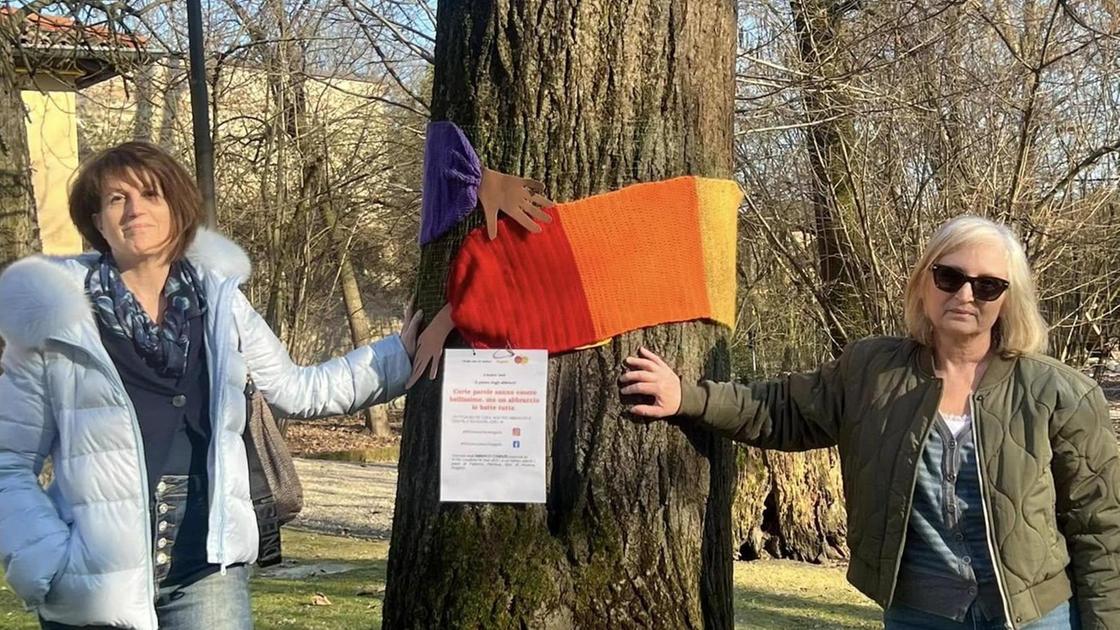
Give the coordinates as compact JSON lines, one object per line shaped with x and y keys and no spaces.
{"x":273,"y":482}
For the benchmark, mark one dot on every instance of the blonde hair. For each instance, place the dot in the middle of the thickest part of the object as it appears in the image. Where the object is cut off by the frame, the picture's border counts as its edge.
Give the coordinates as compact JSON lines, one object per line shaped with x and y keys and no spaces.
{"x":1020,"y":328}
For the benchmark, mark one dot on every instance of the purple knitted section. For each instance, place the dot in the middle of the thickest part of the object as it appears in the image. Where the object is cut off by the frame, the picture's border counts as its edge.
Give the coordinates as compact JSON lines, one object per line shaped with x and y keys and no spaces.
{"x":452,"y":173}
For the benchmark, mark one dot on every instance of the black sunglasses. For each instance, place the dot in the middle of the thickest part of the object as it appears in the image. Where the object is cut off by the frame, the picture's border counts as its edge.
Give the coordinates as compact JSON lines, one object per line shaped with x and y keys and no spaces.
{"x":984,"y":288}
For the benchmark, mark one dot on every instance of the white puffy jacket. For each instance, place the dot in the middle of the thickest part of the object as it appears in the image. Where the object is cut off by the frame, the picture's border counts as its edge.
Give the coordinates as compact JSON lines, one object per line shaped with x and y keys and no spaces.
{"x":80,"y":553}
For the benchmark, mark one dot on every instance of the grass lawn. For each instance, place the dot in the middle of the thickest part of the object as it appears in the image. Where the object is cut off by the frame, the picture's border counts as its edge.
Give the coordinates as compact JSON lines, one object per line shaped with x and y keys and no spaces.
{"x":767,"y":594}
{"x":784,"y":594}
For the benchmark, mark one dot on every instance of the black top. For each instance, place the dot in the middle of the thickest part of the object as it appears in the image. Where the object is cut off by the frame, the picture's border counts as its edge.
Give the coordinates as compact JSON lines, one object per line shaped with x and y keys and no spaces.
{"x":175,"y":428}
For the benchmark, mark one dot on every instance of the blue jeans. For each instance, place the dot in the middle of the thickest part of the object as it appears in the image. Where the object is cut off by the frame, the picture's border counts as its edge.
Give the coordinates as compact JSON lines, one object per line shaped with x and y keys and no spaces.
{"x":216,"y":602}
{"x":1064,"y":617}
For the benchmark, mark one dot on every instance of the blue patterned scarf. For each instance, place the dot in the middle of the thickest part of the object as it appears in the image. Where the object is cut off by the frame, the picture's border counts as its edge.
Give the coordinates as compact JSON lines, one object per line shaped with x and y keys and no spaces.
{"x":164,"y":347}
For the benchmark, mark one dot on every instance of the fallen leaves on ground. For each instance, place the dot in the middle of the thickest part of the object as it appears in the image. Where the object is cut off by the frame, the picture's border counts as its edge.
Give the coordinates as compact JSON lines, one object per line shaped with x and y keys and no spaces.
{"x":332,"y":435}
{"x":371,"y":591}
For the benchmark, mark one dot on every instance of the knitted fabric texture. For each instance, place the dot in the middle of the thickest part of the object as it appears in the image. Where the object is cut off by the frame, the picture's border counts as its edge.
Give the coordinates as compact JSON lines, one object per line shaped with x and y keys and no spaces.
{"x":452,"y":173}
{"x":644,"y":255}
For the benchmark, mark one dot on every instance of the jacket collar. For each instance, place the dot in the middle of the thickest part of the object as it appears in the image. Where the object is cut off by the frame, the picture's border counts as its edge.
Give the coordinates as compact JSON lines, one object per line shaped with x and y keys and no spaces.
{"x":44,"y":297}
{"x":999,"y":367}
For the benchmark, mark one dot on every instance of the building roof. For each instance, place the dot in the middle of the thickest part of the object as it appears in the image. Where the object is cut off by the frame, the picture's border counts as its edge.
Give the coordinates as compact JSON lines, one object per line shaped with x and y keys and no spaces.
{"x":58,"y":53}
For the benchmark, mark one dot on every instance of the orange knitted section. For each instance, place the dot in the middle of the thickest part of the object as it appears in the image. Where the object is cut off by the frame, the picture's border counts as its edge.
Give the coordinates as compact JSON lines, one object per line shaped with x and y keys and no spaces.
{"x":639,"y":253}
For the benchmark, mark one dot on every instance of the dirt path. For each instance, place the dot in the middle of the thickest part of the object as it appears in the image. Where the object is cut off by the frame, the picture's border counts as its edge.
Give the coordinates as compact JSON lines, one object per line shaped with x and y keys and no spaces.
{"x":347,"y":499}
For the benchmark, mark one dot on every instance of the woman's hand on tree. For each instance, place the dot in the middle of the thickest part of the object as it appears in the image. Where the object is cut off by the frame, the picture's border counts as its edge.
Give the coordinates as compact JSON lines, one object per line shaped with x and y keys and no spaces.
{"x":648,"y":375}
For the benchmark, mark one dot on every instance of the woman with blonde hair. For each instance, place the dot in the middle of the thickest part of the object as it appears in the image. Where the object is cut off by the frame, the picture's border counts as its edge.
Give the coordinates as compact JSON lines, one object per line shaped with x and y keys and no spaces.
{"x":981,"y":478}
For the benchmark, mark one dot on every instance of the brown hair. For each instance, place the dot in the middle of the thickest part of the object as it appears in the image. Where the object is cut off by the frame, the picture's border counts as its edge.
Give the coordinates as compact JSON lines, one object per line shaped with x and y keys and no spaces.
{"x":147,"y":162}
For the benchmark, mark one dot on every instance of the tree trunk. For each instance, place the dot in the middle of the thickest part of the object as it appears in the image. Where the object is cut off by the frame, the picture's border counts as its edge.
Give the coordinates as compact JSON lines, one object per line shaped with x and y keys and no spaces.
{"x":377,"y":422}
{"x":172,"y":95}
{"x":789,"y":505}
{"x":309,"y":138}
{"x":833,"y":191}
{"x":587,"y":97}
{"x":19,"y":225}
{"x":145,"y":99}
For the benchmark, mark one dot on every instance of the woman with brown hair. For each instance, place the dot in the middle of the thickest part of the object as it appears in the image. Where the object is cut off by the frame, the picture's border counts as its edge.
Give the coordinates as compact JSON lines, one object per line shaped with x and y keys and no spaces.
{"x":128,"y":366}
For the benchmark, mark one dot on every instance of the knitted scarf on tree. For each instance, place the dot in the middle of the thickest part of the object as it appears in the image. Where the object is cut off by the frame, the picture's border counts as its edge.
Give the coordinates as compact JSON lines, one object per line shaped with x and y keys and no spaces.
{"x":647,"y":254}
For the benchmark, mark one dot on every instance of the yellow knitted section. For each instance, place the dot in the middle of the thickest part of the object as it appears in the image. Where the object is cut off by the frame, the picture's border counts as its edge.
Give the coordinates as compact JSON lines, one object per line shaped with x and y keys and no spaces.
{"x":719,"y":201}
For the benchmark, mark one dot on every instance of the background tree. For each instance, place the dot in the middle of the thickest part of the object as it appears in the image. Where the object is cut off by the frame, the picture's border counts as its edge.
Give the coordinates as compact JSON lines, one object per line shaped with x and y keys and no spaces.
{"x":19,"y":227}
{"x":862,"y":126}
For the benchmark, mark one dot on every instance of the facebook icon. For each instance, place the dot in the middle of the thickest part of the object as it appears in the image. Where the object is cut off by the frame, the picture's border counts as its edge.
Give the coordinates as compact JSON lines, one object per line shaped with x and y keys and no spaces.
{"x":517,"y":444}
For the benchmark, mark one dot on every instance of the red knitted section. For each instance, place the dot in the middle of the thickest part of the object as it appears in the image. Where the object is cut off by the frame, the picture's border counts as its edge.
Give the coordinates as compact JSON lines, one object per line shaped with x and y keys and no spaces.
{"x":520,"y":289}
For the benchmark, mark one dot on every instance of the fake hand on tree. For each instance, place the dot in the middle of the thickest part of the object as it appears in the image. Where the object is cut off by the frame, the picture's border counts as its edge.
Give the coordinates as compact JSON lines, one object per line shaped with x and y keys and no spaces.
{"x":410,"y":327}
{"x":521,"y":199}
{"x":650,"y":376}
{"x":430,"y":346}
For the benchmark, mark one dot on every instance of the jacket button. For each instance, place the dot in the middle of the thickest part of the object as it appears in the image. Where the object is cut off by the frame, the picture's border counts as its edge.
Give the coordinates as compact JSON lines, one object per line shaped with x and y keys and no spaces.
{"x":162,"y":526}
{"x":161,"y":558}
{"x":163,"y":507}
{"x":178,"y":400}
{"x":161,"y":487}
{"x":161,"y":543}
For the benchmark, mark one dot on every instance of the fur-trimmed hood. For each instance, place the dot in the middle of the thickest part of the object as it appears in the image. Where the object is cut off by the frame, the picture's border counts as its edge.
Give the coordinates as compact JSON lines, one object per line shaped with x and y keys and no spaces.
{"x":40,"y":295}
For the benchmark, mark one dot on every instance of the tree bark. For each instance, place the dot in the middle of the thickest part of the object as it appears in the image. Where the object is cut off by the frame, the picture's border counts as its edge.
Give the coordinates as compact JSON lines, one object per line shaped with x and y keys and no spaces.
{"x":19,"y":221}
{"x":833,"y":191}
{"x":19,"y":224}
{"x":145,"y":99}
{"x":789,"y":505}
{"x":171,"y":96}
{"x":377,"y":422}
{"x":587,"y":97}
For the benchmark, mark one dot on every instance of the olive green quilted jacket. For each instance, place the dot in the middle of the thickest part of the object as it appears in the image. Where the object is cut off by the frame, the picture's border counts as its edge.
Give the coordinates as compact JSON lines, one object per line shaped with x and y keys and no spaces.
{"x":1049,"y":465}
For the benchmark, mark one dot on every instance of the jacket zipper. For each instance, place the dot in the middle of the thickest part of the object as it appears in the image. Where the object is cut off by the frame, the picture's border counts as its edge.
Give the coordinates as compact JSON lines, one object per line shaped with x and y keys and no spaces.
{"x":115,"y":378}
{"x":996,"y":563}
{"x":218,"y":396}
{"x":910,"y":503}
